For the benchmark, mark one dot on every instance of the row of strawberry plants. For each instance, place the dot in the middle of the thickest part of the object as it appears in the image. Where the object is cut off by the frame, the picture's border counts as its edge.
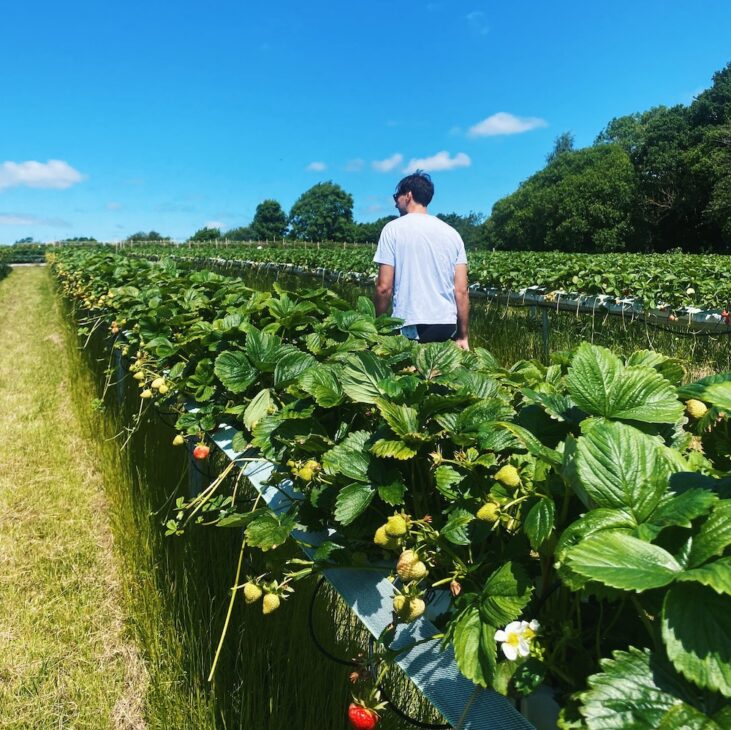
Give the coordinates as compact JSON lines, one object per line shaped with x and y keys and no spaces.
{"x":676,"y":280}
{"x":580,"y":513}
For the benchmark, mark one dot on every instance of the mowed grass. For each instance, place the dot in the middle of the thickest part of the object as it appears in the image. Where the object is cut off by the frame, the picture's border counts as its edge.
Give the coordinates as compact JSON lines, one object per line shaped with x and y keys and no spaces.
{"x":66,"y":660}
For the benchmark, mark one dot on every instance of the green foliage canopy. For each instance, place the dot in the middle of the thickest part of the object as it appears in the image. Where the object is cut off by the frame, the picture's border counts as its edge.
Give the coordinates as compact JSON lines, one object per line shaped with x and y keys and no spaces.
{"x":322,"y":213}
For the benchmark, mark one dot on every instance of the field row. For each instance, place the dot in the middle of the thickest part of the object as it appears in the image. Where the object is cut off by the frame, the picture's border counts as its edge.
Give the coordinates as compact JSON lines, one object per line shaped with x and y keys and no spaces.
{"x":562,"y":505}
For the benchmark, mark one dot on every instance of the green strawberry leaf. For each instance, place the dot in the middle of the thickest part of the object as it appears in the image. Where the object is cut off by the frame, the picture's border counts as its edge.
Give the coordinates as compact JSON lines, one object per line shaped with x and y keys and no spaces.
{"x":257,"y":408}
{"x":618,"y":466}
{"x":320,"y":382}
{"x":637,"y":689}
{"x":539,"y":521}
{"x":505,"y":594}
{"x":268,"y":531}
{"x":290,"y":366}
{"x":360,"y":376}
{"x":390,"y":449}
{"x":445,"y":477}
{"x":474,"y":648}
{"x":352,"y":501}
{"x":717,"y":575}
{"x":621,"y":561}
{"x":235,"y":371}
{"x":696,"y":630}
{"x":714,"y":535}
{"x":350,"y":457}
{"x":602,"y":386}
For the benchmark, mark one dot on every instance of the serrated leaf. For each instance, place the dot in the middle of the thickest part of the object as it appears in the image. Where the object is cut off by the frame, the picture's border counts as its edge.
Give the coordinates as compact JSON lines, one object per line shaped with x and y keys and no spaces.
{"x":325,"y":550}
{"x":716,"y":575}
{"x":392,"y":493}
{"x":524,"y":437}
{"x":669,"y":367}
{"x":320,"y":382}
{"x":635,"y":690}
{"x":268,"y":531}
{"x":682,"y":508}
{"x":444,"y":477}
{"x":505,"y":594}
{"x":355,"y":323}
{"x":257,"y":408}
{"x":240,"y":520}
{"x":539,"y":521}
{"x":621,"y":561}
{"x":263,"y":349}
{"x":437,"y":358}
{"x":473,"y":417}
{"x":291,"y":366}
{"x":352,"y":501}
{"x":361,"y":375}
{"x":474,"y":648}
{"x":403,"y":420}
{"x":392,"y":449}
{"x":235,"y":371}
{"x":619,"y":466}
{"x":350,"y":457}
{"x":456,"y":528}
{"x":602,"y":386}
{"x":714,"y":535}
{"x":696,"y":629}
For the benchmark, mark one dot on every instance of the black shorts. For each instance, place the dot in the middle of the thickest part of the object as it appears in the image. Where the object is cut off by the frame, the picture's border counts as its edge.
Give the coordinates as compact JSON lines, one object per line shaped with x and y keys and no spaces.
{"x":436,"y":332}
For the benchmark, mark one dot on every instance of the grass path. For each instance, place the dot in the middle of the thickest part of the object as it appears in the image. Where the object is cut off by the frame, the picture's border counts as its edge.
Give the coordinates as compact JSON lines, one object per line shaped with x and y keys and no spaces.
{"x":65,"y":660}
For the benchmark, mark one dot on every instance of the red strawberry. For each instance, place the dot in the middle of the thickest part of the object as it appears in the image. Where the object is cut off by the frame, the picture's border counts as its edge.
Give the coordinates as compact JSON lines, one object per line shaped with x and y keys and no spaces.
{"x":201,"y":451}
{"x":362,"y":718}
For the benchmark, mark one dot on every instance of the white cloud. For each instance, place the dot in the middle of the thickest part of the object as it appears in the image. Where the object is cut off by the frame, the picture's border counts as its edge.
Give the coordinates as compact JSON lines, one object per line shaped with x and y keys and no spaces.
{"x":504,"y":123}
{"x":478,"y":22}
{"x":114,"y":206}
{"x":354,"y":165}
{"x":55,"y":174}
{"x":316,"y":167}
{"x":215,"y":224}
{"x":390,"y":163}
{"x":440,"y":161}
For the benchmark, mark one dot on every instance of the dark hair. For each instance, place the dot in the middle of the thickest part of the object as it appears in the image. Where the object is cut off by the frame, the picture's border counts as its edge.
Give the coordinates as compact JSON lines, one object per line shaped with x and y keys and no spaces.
{"x":419,"y":185}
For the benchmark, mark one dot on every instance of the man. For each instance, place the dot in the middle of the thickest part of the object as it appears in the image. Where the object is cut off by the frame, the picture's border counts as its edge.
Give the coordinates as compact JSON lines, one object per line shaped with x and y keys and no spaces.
{"x":423,"y":266}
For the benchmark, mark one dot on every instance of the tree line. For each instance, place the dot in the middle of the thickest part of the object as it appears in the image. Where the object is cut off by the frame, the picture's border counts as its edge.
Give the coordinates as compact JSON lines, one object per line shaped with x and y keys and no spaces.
{"x":651,"y":181}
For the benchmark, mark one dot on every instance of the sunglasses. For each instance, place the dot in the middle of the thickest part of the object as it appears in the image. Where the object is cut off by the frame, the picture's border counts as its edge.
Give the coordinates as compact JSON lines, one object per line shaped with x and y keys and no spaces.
{"x":396,"y":196}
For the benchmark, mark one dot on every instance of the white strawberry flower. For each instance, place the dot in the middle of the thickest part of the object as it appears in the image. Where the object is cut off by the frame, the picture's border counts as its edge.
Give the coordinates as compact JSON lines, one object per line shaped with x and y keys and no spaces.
{"x":516,"y":638}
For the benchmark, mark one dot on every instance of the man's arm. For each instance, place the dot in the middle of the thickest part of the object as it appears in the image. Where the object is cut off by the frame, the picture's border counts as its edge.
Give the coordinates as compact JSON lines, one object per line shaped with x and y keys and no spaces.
{"x":384,"y":289}
{"x":462,"y":296}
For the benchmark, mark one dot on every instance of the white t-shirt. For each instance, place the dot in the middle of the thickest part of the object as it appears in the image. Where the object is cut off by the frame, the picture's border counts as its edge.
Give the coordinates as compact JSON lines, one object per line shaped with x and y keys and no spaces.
{"x":424,"y":251}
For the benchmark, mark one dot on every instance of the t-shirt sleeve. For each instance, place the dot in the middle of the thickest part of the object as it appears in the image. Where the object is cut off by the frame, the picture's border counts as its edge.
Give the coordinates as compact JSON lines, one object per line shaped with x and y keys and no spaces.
{"x":461,"y":253}
{"x":385,"y":251}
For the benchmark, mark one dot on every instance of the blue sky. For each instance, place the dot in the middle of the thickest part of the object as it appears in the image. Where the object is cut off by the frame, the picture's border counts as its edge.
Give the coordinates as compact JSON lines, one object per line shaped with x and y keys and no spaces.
{"x":119,"y":117}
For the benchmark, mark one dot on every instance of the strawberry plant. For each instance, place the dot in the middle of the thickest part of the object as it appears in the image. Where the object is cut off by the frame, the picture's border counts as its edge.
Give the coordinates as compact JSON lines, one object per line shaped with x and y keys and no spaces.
{"x":578,"y":513}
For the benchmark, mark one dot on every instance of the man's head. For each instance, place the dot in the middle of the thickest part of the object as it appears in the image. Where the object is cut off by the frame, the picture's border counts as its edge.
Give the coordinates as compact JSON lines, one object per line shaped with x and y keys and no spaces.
{"x":420,"y":187}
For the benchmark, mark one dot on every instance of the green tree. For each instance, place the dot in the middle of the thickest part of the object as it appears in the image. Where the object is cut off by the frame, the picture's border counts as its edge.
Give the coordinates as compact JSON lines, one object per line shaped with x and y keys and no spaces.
{"x":369,"y":232}
{"x":584,"y":200}
{"x":270,"y":221}
{"x":147,"y":236}
{"x":563,"y":143}
{"x":470,"y":227}
{"x":242,"y":233}
{"x":322,"y":213}
{"x":206,"y":234}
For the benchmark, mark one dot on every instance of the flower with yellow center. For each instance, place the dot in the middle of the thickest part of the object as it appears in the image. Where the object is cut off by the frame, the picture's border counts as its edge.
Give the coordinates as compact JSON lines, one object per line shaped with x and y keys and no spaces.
{"x":516,"y":638}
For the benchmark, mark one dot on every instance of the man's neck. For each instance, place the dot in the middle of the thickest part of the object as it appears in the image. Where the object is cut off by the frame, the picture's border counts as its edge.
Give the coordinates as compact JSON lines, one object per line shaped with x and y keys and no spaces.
{"x":414,"y":207}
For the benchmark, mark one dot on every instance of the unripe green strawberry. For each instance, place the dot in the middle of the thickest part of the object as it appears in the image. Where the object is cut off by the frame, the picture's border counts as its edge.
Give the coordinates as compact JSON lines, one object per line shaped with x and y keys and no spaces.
{"x":696,"y":408}
{"x":157,"y":382}
{"x":489,"y":512}
{"x":178,"y":440}
{"x":270,"y":603}
{"x":139,"y":375}
{"x":163,"y":389}
{"x":410,"y":609}
{"x":399,"y":602}
{"x":409,"y":567}
{"x":508,"y":475}
{"x":381,"y":538}
{"x":396,"y":526}
{"x":252,"y":593}
{"x":147,"y":393}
